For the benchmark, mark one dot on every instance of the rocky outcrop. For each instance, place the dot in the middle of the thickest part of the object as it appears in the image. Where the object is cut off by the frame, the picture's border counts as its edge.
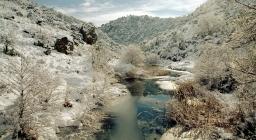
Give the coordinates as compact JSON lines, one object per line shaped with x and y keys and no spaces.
{"x":64,"y":45}
{"x":89,"y":35}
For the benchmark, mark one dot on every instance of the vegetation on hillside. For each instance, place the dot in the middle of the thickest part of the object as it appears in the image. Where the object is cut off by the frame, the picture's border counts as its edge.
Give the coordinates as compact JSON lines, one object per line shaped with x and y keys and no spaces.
{"x":134,"y":29}
{"x":39,"y":44}
{"x":229,"y":68}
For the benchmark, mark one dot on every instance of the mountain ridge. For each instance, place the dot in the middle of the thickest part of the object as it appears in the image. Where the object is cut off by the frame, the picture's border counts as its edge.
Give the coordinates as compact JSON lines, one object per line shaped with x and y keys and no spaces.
{"x":178,"y":38}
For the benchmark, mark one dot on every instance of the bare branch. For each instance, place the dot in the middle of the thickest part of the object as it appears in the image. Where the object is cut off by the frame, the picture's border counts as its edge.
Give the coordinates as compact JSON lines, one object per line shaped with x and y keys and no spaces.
{"x":246,"y":5}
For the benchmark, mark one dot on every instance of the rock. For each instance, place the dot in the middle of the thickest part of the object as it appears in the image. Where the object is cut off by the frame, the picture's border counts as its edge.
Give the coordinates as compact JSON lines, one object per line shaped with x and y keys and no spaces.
{"x":99,"y":104}
{"x":48,"y":51}
{"x":39,"y":22}
{"x":64,"y":45}
{"x":74,"y":27}
{"x":67,"y":104}
{"x":9,"y":17}
{"x":30,"y":6}
{"x":159,"y":130}
{"x":25,"y":31}
{"x":19,"y":14}
{"x":207,"y":38}
{"x":30,"y":14}
{"x":39,"y":43}
{"x":89,"y":34}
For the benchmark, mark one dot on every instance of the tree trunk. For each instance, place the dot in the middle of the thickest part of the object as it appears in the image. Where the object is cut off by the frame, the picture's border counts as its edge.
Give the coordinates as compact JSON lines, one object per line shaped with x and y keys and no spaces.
{"x":21,"y":123}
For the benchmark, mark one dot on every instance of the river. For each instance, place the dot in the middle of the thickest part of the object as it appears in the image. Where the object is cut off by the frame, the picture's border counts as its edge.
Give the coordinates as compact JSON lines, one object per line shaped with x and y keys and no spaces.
{"x":140,"y":116}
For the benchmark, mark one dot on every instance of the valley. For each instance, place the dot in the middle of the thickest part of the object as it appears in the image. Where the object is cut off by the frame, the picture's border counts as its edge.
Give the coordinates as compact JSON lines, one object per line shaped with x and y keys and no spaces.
{"x":134,"y":78}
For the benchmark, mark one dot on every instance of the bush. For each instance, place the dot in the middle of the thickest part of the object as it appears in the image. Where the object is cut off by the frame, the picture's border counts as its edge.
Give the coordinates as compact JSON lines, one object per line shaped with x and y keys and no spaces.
{"x":213,"y":69}
{"x":196,"y":108}
{"x":132,"y":55}
{"x":209,"y":24}
{"x":152,"y":60}
{"x":245,"y":73}
{"x":244,"y":67}
{"x":125,"y":70}
{"x":9,"y":44}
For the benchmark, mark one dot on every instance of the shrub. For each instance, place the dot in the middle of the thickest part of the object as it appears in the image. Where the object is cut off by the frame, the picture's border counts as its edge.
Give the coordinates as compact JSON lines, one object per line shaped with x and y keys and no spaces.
{"x":132,"y":55}
{"x":67,"y":104}
{"x":247,"y":105}
{"x":246,"y":21}
{"x":196,"y":108}
{"x":125,"y":70}
{"x":186,"y":90}
{"x":213,"y":69}
{"x":244,"y":67}
{"x":152,"y":60}
{"x":245,"y":73}
{"x":44,"y":39}
{"x":9,"y":44}
{"x":209,"y":24}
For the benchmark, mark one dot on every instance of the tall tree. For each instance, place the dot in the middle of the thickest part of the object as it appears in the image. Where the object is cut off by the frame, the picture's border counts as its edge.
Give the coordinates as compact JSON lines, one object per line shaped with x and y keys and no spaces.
{"x":34,"y":87}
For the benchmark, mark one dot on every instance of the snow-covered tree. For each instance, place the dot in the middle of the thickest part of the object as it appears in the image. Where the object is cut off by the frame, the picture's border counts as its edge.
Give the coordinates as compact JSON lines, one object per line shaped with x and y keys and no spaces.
{"x":34,"y":87}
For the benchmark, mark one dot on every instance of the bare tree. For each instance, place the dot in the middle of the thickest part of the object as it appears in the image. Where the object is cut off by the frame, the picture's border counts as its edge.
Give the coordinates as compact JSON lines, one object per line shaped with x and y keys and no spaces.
{"x":132,"y":55}
{"x":101,"y":70}
{"x":34,"y":87}
{"x":100,"y":57}
{"x":209,"y":24}
{"x":212,"y":68}
{"x":253,"y":7}
{"x":245,"y":67}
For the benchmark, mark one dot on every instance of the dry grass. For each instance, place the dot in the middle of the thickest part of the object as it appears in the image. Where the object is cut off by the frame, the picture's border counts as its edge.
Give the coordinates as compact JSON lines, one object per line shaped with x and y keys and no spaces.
{"x":196,"y":108}
{"x":247,"y":105}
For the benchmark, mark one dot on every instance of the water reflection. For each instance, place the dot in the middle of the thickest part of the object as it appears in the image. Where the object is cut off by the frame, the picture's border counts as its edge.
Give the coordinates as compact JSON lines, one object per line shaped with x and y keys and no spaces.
{"x":140,"y":116}
{"x":136,"y":87}
{"x":126,"y":124}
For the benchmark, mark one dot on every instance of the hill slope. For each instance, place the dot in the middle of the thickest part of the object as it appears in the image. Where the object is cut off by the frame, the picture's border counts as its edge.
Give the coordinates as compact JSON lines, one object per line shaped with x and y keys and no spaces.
{"x":63,"y":46}
{"x":178,"y":38}
{"x":133,"y":29}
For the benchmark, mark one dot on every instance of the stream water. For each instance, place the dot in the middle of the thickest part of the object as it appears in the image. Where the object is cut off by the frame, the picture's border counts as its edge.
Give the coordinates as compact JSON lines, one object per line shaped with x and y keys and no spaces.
{"x":141,"y":116}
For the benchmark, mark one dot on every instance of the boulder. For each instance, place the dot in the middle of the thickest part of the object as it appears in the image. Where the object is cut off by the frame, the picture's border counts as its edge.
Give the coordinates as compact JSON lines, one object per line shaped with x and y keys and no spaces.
{"x":89,"y":35}
{"x":64,"y":45}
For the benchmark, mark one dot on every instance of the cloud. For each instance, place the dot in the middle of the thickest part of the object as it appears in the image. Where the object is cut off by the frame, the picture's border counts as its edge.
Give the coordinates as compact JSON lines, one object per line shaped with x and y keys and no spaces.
{"x":102,"y":11}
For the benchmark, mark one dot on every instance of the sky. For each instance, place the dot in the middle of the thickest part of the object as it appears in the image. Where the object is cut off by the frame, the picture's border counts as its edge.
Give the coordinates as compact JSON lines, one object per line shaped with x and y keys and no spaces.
{"x":102,"y":11}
